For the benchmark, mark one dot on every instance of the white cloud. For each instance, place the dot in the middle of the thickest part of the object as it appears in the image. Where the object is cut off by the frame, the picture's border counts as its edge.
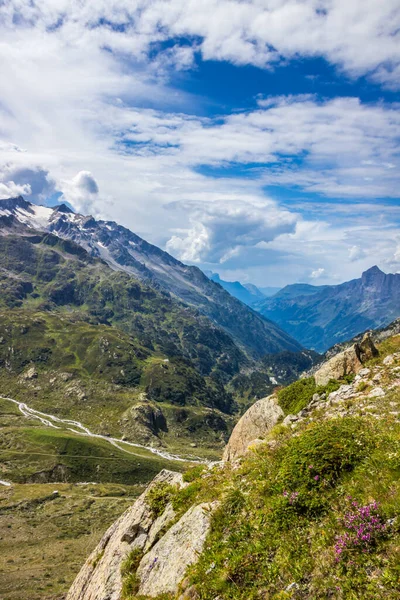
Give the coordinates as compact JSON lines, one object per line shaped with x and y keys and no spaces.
{"x":317,"y":273}
{"x":81,"y":191}
{"x":221,"y":229}
{"x":361,"y":36}
{"x":355,"y":253}
{"x":72,"y":101}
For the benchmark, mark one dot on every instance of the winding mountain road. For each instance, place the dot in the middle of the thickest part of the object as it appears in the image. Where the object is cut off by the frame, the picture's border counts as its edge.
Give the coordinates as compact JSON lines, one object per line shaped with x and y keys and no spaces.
{"x":77,"y":427}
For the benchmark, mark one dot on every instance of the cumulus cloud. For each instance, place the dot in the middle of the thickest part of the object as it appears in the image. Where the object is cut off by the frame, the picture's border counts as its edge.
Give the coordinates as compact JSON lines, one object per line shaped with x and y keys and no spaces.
{"x":81,"y":191}
{"x":317,"y":273}
{"x":355,"y":253}
{"x":16,"y":180}
{"x":221,"y":229}
{"x":87,"y":94}
{"x":361,"y":37}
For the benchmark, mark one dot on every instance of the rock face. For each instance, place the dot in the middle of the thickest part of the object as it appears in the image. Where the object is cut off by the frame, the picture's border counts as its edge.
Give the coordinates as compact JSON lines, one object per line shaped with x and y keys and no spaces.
{"x":254,"y":424}
{"x":164,"y":562}
{"x":144,"y":422}
{"x":163,"y":568}
{"x":100,"y":577}
{"x":348,"y":362}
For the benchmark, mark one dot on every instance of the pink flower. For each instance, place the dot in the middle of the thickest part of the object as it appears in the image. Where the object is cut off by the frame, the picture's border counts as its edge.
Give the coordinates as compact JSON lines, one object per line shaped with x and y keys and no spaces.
{"x":316,"y":477}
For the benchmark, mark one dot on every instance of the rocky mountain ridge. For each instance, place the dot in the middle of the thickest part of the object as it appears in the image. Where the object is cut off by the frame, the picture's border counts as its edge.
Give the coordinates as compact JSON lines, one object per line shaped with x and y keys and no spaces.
{"x":124,"y":251}
{"x":320,"y":317}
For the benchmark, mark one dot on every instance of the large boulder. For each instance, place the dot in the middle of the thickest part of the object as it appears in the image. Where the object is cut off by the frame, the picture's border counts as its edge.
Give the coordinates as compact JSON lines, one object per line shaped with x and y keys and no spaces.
{"x":256,"y":422}
{"x":100,"y":577}
{"x":348,"y":362}
{"x":163,"y":568}
{"x":144,"y":422}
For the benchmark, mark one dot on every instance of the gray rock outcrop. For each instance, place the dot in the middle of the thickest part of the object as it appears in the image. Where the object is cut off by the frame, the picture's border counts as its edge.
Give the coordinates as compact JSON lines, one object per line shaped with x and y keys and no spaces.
{"x":256,"y":422}
{"x":100,"y":577}
{"x":348,"y":362}
{"x":163,"y":568}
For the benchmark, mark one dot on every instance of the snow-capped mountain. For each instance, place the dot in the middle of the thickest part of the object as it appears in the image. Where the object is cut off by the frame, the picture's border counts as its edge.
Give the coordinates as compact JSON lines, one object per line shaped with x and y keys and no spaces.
{"x":124,"y":250}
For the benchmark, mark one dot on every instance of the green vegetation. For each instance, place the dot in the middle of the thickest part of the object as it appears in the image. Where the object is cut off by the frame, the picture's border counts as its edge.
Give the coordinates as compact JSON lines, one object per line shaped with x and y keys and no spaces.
{"x":158,"y":497}
{"x":45,"y":538}
{"x":282,"y":514}
{"x":130,"y":581}
{"x":297,"y":395}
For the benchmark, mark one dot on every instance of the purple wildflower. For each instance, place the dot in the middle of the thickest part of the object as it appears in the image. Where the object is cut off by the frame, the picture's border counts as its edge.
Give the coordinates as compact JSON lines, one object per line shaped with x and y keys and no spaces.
{"x":363,"y":526}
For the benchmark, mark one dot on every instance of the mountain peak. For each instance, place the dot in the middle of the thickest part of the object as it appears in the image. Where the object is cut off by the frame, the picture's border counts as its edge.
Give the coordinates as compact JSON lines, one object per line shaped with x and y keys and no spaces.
{"x":372,"y":274}
{"x":373,"y":270}
{"x":63,"y":208}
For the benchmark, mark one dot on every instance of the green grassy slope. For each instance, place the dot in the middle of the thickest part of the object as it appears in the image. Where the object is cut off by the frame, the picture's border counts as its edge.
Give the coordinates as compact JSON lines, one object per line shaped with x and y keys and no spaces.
{"x":314,"y":511}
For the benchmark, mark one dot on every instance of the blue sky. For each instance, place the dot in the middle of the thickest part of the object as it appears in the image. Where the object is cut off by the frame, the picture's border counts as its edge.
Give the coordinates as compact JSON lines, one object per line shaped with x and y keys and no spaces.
{"x":258,"y":138}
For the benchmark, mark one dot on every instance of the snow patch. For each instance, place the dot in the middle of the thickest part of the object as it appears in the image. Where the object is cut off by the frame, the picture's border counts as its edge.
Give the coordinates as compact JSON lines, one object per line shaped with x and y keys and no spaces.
{"x":37,"y":216}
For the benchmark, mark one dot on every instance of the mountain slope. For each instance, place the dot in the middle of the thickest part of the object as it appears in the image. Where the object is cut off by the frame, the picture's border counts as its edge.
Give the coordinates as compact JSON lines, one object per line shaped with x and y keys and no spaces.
{"x":332,"y":314}
{"x":309,"y":511}
{"x":125,"y":251}
{"x":249,"y":294}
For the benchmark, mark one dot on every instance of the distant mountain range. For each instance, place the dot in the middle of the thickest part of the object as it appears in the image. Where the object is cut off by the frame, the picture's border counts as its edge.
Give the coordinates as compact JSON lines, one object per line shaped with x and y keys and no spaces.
{"x":321,"y":316}
{"x":123,"y":250}
{"x":248,"y":293}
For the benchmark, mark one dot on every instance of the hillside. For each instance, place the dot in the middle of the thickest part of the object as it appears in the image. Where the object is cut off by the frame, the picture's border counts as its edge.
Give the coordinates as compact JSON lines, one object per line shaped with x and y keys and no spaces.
{"x":319,"y":317}
{"x":127,"y":252}
{"x":117,"y":355}
{"x":311,"y":510}
{"x":248,"y":293}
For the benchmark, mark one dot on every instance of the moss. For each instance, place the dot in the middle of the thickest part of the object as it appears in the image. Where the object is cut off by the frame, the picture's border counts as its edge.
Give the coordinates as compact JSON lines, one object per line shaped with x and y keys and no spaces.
{"x":97,"y":559}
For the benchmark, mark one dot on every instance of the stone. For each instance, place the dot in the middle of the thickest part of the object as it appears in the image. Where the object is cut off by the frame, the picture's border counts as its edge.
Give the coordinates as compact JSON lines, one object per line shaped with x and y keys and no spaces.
{"x":388,"y":360}
{"x":377,"y":392}
{"x":163,"y":568}
{"x":100,"y":577}
{"x":348,"y":362}
{"x":289,"y":419}
{"x":256,"y":422}
{"x":31,"y":373}
{"x":343,"y":393}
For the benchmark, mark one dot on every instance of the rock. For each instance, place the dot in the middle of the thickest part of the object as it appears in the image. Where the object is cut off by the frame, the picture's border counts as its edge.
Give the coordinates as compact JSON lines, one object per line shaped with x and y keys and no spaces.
{"x":388,"y":360}
{"x":343,"y":393}
{"x":366,"y":348}
{"x":289,"y":419}
{"x":144,"y":422}
{"x":377,"y":392}
{"x":348,"y":362}
{"x":31,"y":373}
{"x":256,"y":422}
{"x":100,"y":577}
{"x":162,"y":569}
{"x":364,"y":372}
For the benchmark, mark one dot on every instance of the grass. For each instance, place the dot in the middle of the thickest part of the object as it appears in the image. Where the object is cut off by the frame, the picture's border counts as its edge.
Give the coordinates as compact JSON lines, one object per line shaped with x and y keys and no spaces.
{"x":44,"y":544}
{"x":281,"y":514}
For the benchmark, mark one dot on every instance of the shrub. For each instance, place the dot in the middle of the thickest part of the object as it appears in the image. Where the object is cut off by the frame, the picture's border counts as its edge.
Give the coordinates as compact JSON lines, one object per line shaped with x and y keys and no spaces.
{"x":158,"y":497}
{"x":193,"y":473}
{"x":296,"y":396}
{"x":317,"y":459}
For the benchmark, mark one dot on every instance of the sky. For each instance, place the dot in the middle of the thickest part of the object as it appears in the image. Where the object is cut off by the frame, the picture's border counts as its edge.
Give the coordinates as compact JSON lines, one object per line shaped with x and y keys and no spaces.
{"x":259,"y":139}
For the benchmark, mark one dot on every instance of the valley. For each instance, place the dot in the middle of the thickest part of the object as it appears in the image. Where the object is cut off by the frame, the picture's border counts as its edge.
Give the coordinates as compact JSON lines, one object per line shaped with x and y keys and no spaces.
{"x":114,"y":370}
